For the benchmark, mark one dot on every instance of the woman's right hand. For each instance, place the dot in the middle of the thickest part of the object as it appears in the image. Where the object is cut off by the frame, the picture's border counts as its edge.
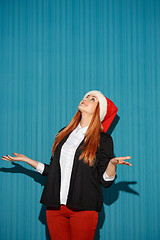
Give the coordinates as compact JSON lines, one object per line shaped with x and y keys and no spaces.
{"x":18,"y":157}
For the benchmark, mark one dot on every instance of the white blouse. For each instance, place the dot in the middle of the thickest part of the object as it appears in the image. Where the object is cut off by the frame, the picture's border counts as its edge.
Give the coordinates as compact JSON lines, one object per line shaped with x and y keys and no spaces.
{"x":66,"y":161}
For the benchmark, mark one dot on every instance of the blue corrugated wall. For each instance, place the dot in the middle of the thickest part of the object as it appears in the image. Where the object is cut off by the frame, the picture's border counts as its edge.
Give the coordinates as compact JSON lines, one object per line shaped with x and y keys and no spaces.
{"x":51,"y":53}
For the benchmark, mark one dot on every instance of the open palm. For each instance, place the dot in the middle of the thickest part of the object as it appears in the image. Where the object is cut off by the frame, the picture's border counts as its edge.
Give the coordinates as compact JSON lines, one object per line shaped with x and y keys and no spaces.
{"x":121,"y":160}
{"x":18,"y":157}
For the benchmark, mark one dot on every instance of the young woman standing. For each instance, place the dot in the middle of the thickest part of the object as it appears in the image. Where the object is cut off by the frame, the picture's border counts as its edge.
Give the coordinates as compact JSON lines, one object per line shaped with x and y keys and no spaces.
{"x":81,"y":162}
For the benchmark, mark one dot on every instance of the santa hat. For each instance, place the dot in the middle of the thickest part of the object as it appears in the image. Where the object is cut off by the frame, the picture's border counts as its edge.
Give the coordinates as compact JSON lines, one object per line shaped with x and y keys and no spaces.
{"x":108,"y":110}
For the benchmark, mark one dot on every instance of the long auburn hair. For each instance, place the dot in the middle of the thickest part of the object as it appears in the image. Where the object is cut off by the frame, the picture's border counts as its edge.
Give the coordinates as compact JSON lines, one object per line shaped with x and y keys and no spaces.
{"x":92,"y":136}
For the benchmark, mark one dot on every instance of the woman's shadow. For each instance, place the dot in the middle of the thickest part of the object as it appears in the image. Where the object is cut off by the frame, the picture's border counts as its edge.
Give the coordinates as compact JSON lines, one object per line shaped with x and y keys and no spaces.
{"x":17,"y":168}
{"x":110,"y":195}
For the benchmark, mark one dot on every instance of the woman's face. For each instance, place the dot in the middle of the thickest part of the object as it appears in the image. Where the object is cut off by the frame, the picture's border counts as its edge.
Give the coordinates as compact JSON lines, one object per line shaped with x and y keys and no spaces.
{"x":88,"y":104}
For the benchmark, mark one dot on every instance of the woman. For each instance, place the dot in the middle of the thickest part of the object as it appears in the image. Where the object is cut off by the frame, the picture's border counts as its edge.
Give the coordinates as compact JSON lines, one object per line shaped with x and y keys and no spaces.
{"x":81,"y":162}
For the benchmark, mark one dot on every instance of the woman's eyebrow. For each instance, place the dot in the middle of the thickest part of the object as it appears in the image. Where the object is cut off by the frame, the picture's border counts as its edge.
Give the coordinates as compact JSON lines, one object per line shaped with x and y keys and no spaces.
{"x":92,"y":96}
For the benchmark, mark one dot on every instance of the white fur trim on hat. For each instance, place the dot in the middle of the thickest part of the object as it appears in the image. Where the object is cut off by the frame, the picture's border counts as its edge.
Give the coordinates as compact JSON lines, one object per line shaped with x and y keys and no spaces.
{"x":102,"y":102}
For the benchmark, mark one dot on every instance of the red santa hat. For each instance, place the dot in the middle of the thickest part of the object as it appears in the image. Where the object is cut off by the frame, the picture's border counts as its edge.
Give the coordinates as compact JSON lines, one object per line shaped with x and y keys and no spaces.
{"x":108,"y":109}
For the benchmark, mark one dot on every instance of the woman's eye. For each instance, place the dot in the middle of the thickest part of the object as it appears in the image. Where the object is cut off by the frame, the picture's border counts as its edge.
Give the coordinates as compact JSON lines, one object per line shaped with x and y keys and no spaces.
{"x":91,"y":98}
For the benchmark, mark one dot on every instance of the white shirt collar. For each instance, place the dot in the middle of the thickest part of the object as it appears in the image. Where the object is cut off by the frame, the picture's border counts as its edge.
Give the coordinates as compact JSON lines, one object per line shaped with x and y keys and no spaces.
{"x":82,"y":130}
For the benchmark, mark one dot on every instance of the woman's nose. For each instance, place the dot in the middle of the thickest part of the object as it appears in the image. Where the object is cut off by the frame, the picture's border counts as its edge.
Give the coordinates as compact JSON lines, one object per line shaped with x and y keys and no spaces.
{"x":85,"y":100}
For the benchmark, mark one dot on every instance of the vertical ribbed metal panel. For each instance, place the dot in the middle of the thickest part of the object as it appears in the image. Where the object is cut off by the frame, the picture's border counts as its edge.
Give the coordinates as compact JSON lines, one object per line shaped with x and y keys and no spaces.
{"x":51,"y":53}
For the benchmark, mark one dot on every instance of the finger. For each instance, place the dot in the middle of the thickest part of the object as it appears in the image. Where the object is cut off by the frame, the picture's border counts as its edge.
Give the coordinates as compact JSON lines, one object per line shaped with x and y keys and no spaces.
{"x":16,"y":153}
{"x":123,"y":158}
{"x":5,"y":158}
{"x":127,"y":163}
{"x":10,"y":157}
{"x":127,"y":157}
{"x":123,"y":162}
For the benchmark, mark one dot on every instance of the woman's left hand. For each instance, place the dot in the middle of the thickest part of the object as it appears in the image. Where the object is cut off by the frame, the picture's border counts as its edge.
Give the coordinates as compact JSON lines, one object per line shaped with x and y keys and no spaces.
{"x":120,"y":160}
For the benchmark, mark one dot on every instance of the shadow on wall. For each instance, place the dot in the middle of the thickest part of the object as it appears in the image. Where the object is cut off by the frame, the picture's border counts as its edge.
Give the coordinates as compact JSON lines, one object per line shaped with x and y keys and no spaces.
{"x":37,"y":178}
{"x":113,"y":124}
{"x":110,"y":195}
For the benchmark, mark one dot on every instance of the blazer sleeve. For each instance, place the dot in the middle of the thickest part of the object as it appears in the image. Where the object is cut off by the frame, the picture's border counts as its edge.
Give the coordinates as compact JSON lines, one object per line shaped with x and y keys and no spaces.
{"x":106,"y":153}
{"x":47,"y":166}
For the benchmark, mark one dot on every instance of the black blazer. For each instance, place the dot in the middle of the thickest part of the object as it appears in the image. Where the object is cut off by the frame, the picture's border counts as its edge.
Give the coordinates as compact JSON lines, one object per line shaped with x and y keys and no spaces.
{"x":85,"y":190}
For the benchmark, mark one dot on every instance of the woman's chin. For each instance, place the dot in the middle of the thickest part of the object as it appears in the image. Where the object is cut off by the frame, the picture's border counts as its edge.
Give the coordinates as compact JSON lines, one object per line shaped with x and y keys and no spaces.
{"x":80,"y":107}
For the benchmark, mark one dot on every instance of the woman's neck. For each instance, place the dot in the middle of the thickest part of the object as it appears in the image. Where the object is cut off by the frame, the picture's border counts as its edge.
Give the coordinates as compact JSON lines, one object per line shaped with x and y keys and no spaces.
{"x":84,"y":122}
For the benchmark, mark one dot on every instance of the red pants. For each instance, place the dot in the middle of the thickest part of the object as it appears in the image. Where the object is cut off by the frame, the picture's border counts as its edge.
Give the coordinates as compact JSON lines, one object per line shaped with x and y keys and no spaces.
{"x":66,"y":223}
